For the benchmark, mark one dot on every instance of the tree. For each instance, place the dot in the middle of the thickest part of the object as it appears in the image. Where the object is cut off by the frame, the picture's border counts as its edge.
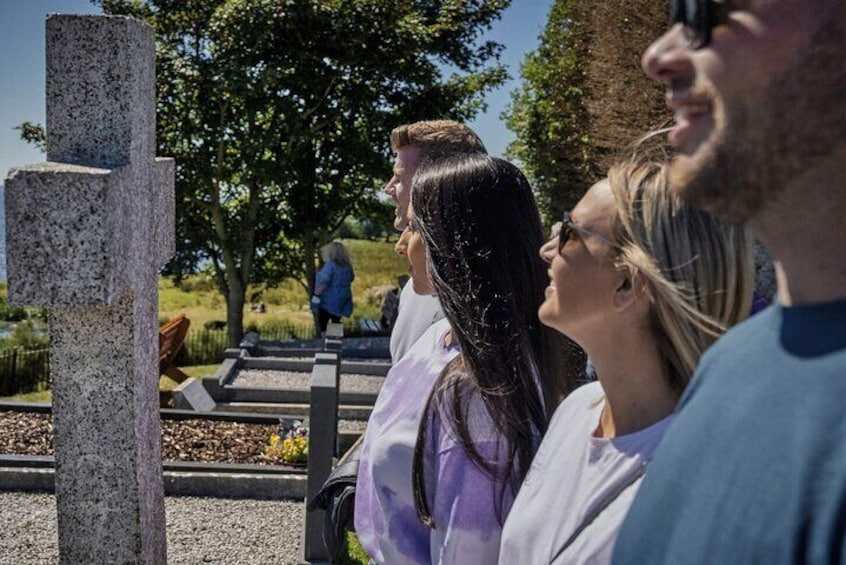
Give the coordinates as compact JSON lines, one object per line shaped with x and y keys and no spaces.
{"x":34,"y":134}
{"x":278,"y":114}
{"x":584,"y":97}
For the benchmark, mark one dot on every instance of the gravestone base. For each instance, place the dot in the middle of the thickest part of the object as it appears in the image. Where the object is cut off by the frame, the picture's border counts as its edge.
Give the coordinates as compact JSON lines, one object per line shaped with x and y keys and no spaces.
{"x":191,"y":395}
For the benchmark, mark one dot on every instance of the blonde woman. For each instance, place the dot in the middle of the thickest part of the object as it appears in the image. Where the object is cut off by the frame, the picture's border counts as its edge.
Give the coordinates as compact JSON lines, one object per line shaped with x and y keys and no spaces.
{"x":332,"y":297}
{"x":644,"y":283}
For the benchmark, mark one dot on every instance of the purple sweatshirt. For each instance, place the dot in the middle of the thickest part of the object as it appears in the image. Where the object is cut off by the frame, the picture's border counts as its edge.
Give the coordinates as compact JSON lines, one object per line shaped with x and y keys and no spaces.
{"x":462,"y":498}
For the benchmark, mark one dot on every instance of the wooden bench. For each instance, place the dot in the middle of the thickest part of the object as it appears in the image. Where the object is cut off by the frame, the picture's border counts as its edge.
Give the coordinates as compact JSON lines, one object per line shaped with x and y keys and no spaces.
{"x":171,"y":339}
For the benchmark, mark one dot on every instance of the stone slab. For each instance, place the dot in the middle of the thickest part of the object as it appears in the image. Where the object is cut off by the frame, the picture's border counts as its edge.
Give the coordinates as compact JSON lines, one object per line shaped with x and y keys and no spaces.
{"x":179,"y":483}
{"x":191,"y":395}
{"x":323,"y":444}
{"x":67,"y":255}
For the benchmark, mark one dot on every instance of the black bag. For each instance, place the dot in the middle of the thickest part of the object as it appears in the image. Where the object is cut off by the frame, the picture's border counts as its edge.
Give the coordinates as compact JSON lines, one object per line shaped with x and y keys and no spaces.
{"x":337,"y":498}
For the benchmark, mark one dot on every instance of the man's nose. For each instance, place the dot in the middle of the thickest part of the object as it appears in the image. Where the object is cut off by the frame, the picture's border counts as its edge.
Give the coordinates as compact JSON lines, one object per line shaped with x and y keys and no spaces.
{"x":668,"y":56}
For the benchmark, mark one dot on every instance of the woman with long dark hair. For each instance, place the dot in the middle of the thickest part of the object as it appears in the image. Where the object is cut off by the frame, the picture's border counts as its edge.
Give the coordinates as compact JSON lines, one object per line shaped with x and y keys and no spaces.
{"x":459,"y":418}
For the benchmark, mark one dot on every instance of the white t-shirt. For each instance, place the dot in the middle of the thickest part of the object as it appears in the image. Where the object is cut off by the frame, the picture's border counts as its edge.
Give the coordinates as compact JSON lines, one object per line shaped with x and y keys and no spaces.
{"x":415,"y":314}
{"x":571,"y":474}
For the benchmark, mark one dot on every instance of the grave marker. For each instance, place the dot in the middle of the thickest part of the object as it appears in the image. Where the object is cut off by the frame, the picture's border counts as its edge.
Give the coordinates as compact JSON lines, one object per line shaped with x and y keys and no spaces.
{"x":86,"y":234}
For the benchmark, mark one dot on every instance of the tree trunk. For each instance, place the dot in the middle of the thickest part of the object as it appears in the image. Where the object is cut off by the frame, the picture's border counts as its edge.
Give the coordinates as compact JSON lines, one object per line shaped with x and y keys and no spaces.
{"x":235,"y":309}
{"x":310,"y":271}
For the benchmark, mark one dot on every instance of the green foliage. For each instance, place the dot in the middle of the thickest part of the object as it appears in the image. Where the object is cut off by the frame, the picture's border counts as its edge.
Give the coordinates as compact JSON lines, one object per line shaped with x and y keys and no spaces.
{"x":278,"y":114}
{"x":549,"y":116}
{"x":353,"y":553}
{"x":28,"y":336}
{"x":376,"y":223}
{"x":9,"y":313}
{"x":34,"y":134}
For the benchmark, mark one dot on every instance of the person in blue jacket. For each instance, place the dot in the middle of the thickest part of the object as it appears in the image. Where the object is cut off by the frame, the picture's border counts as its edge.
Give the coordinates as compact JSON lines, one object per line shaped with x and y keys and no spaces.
{"x":332,"y":297}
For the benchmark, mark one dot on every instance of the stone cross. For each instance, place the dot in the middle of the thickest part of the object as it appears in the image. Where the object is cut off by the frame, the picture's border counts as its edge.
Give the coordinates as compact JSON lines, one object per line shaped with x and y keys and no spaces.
{"x":86,"y":233}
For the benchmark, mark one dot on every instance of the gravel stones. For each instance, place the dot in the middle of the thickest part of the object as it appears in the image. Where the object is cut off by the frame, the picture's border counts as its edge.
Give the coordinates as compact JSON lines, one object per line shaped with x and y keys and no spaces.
{"x":199,"y":530}
{"x":297,"y":380}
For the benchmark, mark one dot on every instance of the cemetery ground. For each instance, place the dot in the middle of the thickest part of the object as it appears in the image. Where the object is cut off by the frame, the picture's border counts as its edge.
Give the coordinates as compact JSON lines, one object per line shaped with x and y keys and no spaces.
{"x":257,"y":530}
{"x":286,"y":305}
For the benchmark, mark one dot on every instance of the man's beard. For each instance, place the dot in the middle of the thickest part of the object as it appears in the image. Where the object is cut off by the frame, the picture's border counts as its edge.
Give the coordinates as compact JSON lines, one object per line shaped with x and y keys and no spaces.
{"x":770,"y":136}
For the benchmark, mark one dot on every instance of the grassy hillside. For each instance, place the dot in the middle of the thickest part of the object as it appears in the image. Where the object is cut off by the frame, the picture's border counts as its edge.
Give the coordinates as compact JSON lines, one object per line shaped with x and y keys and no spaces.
{"x":375,"y":263}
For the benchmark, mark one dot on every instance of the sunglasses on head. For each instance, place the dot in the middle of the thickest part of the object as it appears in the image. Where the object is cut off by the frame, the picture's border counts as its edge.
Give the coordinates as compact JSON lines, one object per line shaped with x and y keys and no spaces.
{"x":568,"y":227}
{"x":699,"y":17}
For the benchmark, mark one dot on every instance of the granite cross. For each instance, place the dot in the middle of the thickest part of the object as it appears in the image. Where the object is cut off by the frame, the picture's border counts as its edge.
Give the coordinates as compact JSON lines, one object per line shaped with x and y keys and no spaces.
{"x":86,"y":234}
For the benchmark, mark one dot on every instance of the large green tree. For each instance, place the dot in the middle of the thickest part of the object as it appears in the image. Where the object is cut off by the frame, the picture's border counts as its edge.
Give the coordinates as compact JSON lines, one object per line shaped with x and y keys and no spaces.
{"x":584,"y":97}
{"x":278,"y":114}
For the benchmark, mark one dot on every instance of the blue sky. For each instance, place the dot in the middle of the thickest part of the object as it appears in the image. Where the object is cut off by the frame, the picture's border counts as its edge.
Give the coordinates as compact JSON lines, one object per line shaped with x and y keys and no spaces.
{"x":22,"y":69}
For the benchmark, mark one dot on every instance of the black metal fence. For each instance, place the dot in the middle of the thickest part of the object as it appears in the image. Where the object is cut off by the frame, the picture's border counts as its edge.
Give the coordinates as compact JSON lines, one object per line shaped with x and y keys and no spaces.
{"x":24,"y":371}
{"x":206,"y":347}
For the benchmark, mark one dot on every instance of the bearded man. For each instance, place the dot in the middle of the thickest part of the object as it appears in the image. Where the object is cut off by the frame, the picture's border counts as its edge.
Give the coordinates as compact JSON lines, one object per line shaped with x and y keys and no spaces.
{"x":754,"y":468}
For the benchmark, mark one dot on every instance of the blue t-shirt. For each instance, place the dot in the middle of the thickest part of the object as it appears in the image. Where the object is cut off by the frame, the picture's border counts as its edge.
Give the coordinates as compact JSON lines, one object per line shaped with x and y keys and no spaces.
{"x":336,"y":298}
{"x":754,"y":468}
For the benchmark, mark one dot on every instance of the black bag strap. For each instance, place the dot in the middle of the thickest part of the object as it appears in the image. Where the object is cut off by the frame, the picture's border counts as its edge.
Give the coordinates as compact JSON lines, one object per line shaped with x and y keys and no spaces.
{"x":610,"y":497}
{"x":345,"y":473}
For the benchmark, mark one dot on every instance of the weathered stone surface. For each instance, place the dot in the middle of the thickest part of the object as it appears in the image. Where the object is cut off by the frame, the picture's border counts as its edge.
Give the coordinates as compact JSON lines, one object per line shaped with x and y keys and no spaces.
{"x":61,"y":238}
{"x":100,"y":91}
{"x":87,"y":233}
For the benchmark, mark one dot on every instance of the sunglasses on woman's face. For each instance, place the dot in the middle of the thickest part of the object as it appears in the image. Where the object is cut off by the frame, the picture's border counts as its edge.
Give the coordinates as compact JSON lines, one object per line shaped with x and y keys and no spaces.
{"x":699,"y":18}
{"x":568,"y":227}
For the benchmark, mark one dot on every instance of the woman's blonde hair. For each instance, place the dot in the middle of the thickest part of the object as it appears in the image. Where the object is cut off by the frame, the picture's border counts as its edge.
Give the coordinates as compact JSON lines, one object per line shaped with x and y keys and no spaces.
{"x":698,"y":271}
{"x":335,"y":251}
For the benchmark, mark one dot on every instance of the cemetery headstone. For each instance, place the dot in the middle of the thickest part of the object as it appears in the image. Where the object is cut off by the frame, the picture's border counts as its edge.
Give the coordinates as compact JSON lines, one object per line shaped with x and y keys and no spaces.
{"x":86,"y":233}
{"x":323,"y":426}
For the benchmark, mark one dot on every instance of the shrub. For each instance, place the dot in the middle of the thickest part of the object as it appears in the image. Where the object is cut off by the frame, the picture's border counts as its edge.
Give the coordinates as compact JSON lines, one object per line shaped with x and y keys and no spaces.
{"x":28,"y":336}
{"x":12,"y":313}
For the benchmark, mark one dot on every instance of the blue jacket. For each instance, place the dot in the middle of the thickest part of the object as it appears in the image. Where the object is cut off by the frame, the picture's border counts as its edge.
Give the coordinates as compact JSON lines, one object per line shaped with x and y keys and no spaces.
{"x":336,"y":298}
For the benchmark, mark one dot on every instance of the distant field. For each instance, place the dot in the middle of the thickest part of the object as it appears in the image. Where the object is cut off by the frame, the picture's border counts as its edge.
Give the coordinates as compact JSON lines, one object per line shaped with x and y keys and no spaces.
{"x":374,"y":262}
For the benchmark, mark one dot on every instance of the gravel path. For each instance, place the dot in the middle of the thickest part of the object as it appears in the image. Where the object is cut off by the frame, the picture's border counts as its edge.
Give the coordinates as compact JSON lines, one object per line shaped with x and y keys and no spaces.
{"x":199,"y":530}
{"x":256,"y":378}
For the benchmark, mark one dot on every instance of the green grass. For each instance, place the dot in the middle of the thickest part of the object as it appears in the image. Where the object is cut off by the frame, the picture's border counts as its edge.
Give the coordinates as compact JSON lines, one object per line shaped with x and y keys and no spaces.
{"x":195,"y":371}
{"x":40,"y":396}
{"x":375,"y":265}
{"x":200,"y":371}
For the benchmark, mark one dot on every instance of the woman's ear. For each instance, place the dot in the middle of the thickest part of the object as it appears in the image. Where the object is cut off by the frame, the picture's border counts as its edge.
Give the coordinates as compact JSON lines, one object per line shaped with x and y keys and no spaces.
{"x":549,"y":250}
{"x":631,"y":289}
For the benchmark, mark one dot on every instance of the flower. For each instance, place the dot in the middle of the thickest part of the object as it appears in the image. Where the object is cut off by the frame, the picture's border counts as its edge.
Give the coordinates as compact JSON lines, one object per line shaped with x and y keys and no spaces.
{"x":292,"y":448}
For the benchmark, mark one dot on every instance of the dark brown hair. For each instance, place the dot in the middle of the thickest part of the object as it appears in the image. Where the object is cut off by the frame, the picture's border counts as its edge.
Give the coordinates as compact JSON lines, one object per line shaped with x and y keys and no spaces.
{"x":478,"y":218}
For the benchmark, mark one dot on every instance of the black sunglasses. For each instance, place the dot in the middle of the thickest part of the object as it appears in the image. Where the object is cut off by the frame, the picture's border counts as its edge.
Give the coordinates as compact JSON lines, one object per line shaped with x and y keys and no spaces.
{"x":568,"y":226}
{"x":699,"y":17}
